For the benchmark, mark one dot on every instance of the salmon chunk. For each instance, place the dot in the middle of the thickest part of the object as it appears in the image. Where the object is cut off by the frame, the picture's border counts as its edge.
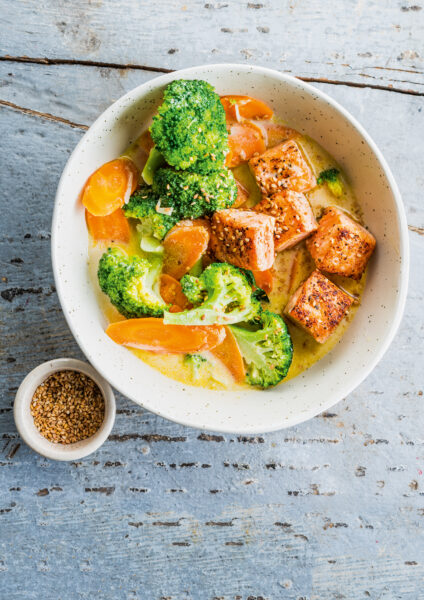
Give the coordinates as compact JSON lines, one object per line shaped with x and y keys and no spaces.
{"x":340,"y":245}
{"x":294,"y":219}
{"x":282,"y":168}
{"x":243,"y":238}
{"x":318,"y":306}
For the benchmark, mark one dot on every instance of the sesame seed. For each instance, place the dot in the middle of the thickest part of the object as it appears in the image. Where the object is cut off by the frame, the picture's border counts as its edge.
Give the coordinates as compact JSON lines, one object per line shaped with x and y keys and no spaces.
{"x":67,"y":407}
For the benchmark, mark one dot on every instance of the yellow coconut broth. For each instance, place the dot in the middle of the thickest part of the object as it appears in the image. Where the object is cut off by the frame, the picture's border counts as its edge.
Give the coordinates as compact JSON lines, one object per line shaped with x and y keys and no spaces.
{"x":291,"y":268}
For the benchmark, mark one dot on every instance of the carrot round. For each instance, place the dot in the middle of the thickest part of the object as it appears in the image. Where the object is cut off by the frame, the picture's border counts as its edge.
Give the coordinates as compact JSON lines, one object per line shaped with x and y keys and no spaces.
{"x":184,"y":245}
{"x":172,"y":293}
{"x":108,"y":188}
{"x":264,"y":280}
{"x":229,"y":354}
{"x":246,"y":107}
{"x":114,"y":227}
{"x":151,"y":334}
{"x":245,"y":140}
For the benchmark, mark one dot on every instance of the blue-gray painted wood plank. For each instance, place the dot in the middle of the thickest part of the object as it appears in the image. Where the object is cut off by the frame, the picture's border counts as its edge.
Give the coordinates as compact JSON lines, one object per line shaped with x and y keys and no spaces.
{"x":373,"y":42}
{"x":333,"y":508}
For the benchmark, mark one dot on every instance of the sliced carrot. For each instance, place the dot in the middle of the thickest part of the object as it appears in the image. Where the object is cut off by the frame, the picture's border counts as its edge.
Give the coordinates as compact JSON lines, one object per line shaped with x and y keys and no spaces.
{"x":264,"y":280}
{"x":242,"y":195}
{"x":151,"y":334}
{"x":145,"y":141}
{"x":275,"y":133}
{"x":184,"y":246}
{"x":246,"y":107}
{"x":114,"y":227}
{"x":172,"y":293}
{"x":229,"y":354}
{"x":245,"y":140}
{"x":108,"y":188}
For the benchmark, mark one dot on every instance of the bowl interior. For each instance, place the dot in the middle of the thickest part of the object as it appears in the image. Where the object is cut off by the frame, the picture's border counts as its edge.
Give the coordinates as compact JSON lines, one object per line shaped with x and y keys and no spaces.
{"x":375,"y":323}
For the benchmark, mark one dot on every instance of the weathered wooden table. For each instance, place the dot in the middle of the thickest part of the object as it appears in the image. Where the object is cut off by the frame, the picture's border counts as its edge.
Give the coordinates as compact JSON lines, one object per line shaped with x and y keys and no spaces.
{"x":333,"y":508}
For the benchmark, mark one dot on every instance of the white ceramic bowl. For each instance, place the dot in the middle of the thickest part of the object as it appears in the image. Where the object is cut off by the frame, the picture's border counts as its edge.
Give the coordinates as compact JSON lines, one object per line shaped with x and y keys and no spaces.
{"x":325,"y":383}
{"x":25,"y":422}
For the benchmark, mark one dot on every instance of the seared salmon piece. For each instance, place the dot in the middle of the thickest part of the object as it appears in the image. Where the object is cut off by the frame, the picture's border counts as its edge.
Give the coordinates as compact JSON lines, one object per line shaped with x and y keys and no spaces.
{"x":244,"y":238}
{"x":282,"y":168}
{"x":318,"y":306}
{"x":340,"y":245}
{"x":294,"y":219}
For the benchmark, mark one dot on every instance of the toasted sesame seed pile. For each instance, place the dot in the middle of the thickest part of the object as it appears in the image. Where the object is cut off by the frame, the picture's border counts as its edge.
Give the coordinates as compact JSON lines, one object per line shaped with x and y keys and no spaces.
{"x":67,"y":407}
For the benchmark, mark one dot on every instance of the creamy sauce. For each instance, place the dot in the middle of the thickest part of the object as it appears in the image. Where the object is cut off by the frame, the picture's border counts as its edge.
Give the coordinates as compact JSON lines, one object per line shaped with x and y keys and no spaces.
{"x":291,"y":268}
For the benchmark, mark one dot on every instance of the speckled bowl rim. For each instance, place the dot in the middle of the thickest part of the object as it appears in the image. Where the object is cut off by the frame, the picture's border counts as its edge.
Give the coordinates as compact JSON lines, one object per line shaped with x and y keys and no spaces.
{"x":343,"y":390}
{"x":25,"y":424}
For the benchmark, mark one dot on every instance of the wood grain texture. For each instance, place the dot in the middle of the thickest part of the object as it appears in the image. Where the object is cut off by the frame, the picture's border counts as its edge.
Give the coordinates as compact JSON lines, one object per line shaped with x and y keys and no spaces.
{"x":371,"y":43}
{"x":330,"y":509}
{"x":95,"y":88}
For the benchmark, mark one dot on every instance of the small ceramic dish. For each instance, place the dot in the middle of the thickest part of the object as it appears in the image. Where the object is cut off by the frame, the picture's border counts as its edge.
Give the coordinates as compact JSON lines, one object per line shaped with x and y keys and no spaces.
{"x":25,"y":422}
{"x":309,"y":111}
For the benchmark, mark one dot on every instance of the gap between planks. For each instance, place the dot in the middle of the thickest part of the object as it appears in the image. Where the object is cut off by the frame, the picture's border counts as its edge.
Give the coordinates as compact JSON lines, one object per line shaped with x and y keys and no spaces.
{"x":88,"y":63}
{"x":43,"y":115}
{"x":112,"y":65}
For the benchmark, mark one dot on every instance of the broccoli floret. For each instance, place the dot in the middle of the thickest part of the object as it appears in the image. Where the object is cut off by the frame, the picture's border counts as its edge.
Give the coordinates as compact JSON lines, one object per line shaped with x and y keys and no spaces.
{"x":193,"y":289}
{"x":267,"y":351}
{"x":194,"y":362}
{"x":332,"y":178}
{"x":192,"y":195}
{"x":129,"y":282}
{"x":229,"y":298}
{"x":190,"y":128}
{"x":142,"y":205}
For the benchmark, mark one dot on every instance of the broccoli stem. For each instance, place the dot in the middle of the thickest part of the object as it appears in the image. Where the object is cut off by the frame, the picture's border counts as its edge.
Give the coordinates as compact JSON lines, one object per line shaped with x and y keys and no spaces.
{"x":154,"y":162}
{"x":197,"y":268}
